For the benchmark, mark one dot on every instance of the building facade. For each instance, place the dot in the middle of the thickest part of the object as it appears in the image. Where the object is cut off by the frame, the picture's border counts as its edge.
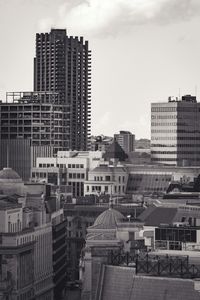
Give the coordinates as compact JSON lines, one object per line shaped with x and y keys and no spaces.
{"x":62,"y":64}
{"x":72,"y":167}
{"x":26,"y":242}
{"x":175,"y":132}
{"x":126,"y":140}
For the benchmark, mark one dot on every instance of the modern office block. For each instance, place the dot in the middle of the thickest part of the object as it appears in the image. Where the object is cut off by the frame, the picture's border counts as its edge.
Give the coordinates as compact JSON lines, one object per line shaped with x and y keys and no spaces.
{"x":62,"y":64}
{"x":175,"y":132}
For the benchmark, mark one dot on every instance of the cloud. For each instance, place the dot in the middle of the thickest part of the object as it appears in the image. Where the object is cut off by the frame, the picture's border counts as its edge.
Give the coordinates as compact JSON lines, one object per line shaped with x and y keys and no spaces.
{"x":102,"y":122}
{"x":108,"y":17}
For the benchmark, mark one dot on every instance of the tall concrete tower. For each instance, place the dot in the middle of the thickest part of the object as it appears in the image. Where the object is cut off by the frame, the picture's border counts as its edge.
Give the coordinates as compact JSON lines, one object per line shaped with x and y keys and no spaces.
{"x":63,"y":64}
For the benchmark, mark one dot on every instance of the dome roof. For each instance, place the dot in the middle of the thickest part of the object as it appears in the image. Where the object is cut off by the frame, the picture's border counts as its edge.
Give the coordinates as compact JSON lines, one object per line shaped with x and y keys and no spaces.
{"x":9,"y":174}
{"x":108,"y":219}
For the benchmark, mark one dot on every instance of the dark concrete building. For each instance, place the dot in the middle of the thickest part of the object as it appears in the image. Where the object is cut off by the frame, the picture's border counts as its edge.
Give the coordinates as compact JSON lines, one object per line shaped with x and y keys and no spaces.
{"x":32,"y":124}
{"x":62,"y":64}
{"x":59,"y":258}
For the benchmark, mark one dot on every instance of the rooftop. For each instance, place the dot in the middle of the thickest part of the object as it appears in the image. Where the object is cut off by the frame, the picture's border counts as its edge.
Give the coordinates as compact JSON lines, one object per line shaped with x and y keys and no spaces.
{"x":121,"y":283}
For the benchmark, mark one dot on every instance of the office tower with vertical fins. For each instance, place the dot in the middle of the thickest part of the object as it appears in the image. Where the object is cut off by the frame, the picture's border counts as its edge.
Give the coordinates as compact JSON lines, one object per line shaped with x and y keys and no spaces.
{"x":175,"y":131}
{"x":63,"y":64}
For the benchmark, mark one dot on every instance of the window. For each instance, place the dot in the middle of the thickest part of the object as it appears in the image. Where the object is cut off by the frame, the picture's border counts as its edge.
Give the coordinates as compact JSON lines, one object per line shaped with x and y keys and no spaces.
{"x":69,"y":166}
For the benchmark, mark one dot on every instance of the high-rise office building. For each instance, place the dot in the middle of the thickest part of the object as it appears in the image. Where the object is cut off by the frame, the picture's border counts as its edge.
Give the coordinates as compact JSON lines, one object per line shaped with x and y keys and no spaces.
{"x":63,"y":64}
{"x":126,"y":140}
{"x":175,"y":131}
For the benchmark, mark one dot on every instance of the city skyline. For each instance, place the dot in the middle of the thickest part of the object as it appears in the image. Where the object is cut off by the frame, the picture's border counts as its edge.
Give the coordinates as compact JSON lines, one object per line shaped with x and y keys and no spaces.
{"x":142,"y":52}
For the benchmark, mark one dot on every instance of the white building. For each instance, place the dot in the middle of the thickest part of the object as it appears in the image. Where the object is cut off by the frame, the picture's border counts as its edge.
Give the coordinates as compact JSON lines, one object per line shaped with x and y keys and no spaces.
{"x":71,"y":166}
{"x":107,"y":179}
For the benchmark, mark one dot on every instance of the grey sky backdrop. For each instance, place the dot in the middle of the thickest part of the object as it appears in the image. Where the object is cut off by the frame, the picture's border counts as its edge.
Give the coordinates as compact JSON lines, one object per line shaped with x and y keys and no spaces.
{"x":142,"y":51}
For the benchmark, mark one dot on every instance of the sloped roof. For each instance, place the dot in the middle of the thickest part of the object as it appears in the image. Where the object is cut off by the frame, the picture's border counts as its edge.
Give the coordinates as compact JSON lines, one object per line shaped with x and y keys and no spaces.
{"x":121,"y":283}
{"x":108,"y":169}
{"x":115,"y":151}
{"x":154,"y":216}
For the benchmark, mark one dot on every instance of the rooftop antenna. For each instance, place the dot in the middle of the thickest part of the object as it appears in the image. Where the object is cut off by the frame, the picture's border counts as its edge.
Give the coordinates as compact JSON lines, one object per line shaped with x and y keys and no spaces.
{"x":196,"y":90}
{"x":179,"y":93}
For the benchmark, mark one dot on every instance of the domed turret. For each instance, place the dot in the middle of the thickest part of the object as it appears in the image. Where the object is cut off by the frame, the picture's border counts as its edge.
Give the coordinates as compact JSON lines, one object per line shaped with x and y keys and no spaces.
{"x":8,"y":174}
{"x":108,"y":219}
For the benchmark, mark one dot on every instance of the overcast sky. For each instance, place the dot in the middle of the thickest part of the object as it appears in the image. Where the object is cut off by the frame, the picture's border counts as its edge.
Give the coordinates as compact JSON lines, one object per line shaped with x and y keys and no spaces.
{"x":142,"y":51}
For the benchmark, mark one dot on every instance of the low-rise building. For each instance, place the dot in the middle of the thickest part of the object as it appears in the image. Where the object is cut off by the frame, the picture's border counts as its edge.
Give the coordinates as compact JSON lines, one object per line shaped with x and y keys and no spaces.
{"x":79,"y":217}
{"x":68,"y":168}
{"x":107,"y":179}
